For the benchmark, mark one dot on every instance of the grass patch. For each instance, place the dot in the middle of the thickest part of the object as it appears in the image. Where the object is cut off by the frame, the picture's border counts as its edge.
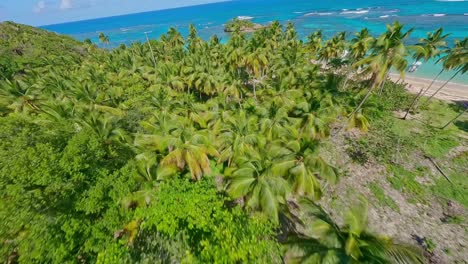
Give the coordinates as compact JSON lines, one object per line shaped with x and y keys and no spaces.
{"x":405,"y":181}
{"x":456,"y":191}
{"x":383,"y":199}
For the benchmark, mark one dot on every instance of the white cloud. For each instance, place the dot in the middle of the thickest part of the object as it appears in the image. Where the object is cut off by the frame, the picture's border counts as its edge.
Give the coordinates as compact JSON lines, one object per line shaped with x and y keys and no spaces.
{"x":41,"y":5}
{"x":66,"y":4}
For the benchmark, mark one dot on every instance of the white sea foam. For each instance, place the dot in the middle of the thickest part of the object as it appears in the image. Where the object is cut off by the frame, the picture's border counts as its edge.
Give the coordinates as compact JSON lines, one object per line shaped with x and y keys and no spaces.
{"x":452,"y":0}
{"x":355,"y":12}
{"x":244,"y":17}
{"x":385,"y":16}
{"x":439,"y":15}
{"x":319,"y":14}
{"x":297,"y":12}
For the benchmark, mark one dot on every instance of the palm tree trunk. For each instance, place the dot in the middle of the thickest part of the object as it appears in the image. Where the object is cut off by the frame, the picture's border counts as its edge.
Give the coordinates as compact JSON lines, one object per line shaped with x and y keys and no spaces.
{"x":413,"y":103}
{"x":451,"y":121}
{"x":433,"y":81}
{"x":254,"y":90}
{"x":441,"y":87}
{"x":383,"y":83}
{"x":360,"y":105}
{"x":346,"y":78}
{"x":151,"y":49}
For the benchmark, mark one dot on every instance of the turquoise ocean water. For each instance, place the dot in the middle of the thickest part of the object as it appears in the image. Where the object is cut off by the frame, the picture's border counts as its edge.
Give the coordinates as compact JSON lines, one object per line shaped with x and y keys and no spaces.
{"x":331,"y":16}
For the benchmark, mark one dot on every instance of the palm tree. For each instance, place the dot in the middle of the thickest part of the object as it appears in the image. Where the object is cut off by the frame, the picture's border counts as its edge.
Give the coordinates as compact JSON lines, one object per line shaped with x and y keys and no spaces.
{"x":186,"y":148}
{"x":307,"y":167}
{"x":238,"y":137}
{"x":326,"y":242}
{"x":457,"y":60}
{"x":314,"y":41}
{"x":104,"y":39}
{"x":388,"y":52}
{"x":428,"y":48}
{"x":259,"y":178}
{"x":19,"y":96}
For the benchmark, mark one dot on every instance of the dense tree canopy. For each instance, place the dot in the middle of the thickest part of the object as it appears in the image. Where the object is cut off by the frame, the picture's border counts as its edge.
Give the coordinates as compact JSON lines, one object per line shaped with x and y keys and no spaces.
{"x":176,"y":150}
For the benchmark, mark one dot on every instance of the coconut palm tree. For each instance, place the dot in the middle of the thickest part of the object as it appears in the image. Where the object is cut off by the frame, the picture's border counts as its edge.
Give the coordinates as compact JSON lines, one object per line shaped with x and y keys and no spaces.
{"x":259,"y":179}
{"x":428,"y":48}
{"x":327,"y":242}
{"x":457,"y":60}
{"x":19,"y":96}
{"x":104,"y":39}
{"x":184,"y":149}
{"x":388,"y":51}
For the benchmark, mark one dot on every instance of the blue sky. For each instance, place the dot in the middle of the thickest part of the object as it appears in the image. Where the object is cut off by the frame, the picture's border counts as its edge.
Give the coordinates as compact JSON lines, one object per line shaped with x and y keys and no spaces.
{"x":44,"y":12}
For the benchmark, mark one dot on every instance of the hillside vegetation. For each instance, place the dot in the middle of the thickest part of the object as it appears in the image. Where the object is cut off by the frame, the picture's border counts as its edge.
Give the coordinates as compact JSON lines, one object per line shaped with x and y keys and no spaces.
{"x":260,"y":150}
{"x":24,"y":48}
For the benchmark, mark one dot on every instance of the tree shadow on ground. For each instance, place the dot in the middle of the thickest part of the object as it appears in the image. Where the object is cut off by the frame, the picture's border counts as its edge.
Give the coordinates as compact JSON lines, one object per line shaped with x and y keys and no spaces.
{"x":462,"y":125}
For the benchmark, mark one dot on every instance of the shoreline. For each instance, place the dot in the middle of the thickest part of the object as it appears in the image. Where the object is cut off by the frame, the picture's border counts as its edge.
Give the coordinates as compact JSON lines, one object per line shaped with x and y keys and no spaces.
{"x":451,"y":92}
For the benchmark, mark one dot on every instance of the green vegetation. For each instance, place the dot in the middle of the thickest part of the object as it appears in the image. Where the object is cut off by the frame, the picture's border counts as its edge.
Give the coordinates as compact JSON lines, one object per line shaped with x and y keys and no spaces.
{"x":383,"y":199}
{"x":25,"y":48}
{"x":193,"y":151}
{"x":243,"y":25}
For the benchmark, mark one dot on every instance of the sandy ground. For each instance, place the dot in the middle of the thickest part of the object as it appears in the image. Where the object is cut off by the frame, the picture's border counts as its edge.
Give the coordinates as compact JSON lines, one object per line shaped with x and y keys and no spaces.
{"x":451,"y":92}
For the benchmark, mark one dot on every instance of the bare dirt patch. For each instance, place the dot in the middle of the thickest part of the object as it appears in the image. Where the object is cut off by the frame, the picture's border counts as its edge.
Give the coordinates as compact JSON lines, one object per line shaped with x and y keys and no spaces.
{"x":426,"y":219}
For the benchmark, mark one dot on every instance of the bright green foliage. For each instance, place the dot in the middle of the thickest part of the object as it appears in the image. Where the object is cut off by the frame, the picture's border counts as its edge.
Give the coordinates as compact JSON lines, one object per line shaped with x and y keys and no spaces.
{"x":183,"y":150}
{"x":214,"y":233}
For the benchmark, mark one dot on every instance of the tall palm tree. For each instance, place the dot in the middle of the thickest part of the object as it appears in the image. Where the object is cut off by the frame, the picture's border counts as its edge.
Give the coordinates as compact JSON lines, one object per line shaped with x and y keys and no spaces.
{"x":457,"y":60}
{"x":428,"y":48}
{"x":104,"y":39}
{"x":388,"y":51}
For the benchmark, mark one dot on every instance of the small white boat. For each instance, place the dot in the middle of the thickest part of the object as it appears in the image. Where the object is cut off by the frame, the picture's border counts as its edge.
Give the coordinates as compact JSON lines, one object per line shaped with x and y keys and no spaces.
{"x":414,"y":67}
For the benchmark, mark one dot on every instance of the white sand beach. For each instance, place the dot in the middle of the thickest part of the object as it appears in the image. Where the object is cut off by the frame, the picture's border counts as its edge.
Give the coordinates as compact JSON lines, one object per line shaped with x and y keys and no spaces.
{"x":451,"y":92}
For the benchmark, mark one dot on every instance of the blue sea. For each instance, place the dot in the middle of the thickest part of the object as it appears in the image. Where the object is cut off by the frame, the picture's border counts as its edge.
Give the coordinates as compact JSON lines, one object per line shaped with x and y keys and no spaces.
{"x":331,"y":16}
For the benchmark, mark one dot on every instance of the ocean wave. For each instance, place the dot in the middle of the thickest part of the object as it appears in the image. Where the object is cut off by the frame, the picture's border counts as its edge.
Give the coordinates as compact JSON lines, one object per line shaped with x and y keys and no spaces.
{"x":387,"y":16}
{"x":438,"y":15}
{"x":244,"y":17}
{"x":452,"y":0}
{"x":319,"y":14}
{"x":297,"y":12}
{"x":355,"y":12}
